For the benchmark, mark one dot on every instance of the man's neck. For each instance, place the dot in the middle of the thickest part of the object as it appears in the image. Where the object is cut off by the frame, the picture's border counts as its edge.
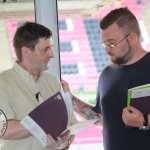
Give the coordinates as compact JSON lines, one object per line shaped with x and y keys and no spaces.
{"x":137,"y":57}
{"x":31,"y":71}
{"x":35,"y":78}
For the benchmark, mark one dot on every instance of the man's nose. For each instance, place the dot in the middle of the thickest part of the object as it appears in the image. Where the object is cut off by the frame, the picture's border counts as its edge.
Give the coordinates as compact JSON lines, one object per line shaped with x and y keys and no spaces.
{"x":51,"y":53}
{"x":107,"y":48}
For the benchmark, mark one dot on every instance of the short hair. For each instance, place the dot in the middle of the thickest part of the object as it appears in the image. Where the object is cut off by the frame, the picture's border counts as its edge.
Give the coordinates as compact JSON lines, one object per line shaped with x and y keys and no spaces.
{"x":28,"y":35}
{"x":124,"y":18}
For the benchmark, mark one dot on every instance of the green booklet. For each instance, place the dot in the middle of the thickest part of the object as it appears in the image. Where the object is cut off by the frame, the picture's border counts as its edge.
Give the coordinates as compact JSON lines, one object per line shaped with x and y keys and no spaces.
{"x":139,"y":97}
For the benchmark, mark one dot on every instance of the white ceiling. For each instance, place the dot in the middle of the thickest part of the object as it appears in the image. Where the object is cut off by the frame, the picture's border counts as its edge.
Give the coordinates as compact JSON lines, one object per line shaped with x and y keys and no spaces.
{"x":16,"y":9}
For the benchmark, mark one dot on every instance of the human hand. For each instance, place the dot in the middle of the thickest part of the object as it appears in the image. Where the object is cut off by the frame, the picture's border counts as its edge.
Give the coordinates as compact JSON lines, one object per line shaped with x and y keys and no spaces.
{"x":65,"y":86}
{"x":132,"y":117}
{"x":60,"y":142}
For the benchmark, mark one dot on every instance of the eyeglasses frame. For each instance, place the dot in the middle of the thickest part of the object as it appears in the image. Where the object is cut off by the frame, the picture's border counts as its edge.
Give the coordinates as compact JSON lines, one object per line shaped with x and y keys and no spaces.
{"x":114,"y":45}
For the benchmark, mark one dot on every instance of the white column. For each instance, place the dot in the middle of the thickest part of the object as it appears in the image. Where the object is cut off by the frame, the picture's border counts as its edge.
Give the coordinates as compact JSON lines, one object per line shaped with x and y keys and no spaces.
{"x":46,"y":13}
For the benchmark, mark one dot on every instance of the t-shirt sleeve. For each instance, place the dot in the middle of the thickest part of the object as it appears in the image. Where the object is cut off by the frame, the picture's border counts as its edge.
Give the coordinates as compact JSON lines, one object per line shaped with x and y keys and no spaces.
{"x":96,"y":108}
{"x":5,"y":105}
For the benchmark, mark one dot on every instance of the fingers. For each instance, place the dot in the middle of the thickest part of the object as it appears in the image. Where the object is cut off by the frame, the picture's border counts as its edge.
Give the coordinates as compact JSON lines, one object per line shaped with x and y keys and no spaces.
{"x":125,"y":111}
{"x":129,"y":110}
{"x":50,"y":142}
{"x":132,"y":109}
{"x":63,"y":82}
{"x":132,"y":117}
{"x":59,"y":142}
{"x":53,"y":144}
{"x":65,"y":86}
{"x":66,"y":135}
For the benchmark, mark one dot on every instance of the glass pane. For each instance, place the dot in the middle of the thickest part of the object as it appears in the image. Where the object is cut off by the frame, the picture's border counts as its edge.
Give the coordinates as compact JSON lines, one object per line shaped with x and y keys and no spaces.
{"x":83,"y":58}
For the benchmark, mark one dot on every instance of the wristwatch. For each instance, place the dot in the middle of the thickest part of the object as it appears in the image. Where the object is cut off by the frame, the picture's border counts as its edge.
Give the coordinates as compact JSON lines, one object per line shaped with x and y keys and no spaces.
{"x":145,"y":123}
{"x":67,"y":147}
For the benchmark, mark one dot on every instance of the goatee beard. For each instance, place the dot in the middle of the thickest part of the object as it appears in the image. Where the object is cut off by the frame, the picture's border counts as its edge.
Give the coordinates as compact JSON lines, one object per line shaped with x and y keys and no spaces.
{"x":123,"y":60}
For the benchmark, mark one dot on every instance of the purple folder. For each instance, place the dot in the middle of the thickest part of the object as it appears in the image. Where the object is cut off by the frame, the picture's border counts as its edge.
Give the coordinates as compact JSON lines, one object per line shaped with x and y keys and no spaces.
{"x":142,"y":104}
{"x":51,"y":115}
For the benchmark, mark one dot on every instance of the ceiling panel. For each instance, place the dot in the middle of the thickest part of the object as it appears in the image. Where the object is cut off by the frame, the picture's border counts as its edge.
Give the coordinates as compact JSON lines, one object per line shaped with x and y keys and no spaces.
{"x":13,"y":9}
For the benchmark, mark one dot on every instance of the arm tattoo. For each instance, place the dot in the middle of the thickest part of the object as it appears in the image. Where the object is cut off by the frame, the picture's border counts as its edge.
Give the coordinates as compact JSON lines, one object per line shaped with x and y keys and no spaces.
{"x":83,"y":109}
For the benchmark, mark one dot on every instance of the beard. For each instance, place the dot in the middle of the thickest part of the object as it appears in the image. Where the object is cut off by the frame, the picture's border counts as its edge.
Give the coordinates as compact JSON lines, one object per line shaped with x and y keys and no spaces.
{"x":124,"y":59}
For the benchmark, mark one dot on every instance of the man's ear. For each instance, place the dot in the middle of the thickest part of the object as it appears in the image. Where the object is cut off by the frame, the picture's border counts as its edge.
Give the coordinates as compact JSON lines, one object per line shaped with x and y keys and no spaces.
{"x":133,"y":38}
{"x":25,"y":51}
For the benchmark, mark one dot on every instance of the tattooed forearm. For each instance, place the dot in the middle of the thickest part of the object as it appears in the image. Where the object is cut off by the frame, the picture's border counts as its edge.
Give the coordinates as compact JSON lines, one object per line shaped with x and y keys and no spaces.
{"x":84,"y":109}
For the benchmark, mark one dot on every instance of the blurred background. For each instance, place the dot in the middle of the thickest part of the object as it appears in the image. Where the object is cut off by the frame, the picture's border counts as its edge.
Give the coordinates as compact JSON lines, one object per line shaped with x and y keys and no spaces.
{"x":81,"y":54}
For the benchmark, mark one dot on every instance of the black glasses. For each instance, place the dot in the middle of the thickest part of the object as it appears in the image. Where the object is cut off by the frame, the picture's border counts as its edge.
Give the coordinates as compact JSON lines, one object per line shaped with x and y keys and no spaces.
{"x":113,"y":45}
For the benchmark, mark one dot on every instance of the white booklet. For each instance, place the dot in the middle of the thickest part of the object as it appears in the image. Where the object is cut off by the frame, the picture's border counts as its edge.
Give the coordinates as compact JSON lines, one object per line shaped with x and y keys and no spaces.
{"x":53,"y":117}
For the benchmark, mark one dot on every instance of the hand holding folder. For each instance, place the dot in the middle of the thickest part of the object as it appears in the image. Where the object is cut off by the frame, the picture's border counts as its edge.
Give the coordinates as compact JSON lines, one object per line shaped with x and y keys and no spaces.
{"x":53,"y":117}
{"x":139,"y":98}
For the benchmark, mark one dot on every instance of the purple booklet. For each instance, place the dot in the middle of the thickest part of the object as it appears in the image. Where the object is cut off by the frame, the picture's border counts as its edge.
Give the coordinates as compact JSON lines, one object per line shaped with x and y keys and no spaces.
{"x":54,"y":116}
{"x":50,"y":117}
{"x":142,"y":104}
{"x":139,"y":98}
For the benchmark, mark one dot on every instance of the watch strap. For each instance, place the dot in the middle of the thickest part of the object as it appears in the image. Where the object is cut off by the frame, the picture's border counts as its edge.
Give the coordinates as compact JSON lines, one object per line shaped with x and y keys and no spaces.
{"x":145,"y":123}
